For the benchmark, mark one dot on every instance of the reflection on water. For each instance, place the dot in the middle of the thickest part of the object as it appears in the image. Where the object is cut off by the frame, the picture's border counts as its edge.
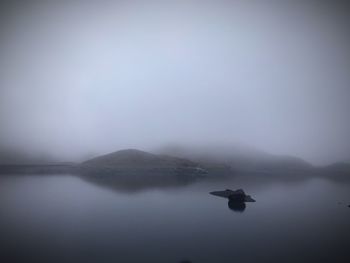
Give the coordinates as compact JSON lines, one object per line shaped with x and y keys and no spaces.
{"x":66,"y":219}
{"x":236,"y":206}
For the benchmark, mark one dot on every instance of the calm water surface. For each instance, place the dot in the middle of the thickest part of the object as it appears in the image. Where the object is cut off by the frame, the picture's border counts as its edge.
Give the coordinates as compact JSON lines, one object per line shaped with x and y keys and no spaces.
{"x":66,"y":219}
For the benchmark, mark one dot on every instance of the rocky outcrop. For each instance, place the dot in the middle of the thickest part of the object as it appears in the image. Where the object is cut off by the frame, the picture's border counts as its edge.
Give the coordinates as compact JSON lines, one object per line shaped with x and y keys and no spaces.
{"x":234,"y":196}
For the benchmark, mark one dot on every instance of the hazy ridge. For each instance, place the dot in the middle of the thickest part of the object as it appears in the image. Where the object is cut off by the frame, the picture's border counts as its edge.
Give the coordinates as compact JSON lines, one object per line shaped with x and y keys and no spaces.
{"x":209,"y":161}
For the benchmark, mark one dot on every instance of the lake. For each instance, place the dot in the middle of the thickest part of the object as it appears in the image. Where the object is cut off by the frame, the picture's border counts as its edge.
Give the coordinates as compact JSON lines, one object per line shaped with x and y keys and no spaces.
{"x":63,"y":218}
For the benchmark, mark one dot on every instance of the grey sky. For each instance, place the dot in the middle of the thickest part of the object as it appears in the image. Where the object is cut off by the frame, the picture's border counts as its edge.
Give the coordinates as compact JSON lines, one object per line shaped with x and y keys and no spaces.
{"x":79,"y":78}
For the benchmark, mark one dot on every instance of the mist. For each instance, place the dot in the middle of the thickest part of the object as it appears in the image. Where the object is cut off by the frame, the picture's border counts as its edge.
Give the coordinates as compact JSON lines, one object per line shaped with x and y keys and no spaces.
{"x":84,"y":78}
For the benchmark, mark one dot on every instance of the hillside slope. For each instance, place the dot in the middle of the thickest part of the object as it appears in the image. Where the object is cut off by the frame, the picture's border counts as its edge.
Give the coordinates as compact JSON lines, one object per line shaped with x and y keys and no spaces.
{"x":240,"y":159}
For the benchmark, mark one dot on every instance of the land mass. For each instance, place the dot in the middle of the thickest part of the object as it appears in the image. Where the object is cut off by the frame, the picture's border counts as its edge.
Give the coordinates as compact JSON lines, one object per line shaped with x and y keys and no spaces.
{"x":170,"y":166}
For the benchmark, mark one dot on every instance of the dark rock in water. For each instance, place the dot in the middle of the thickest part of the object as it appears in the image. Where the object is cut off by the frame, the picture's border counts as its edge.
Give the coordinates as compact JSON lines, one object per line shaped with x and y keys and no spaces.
{"x":237,"y":199}
{"x":348,"y":205}
{"x":237,"y":196}
{"x":234,"y":196}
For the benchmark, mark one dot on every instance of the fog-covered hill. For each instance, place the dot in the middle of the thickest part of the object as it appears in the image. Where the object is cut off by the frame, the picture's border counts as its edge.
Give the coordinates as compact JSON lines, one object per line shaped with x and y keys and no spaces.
{"x":136,"y":159}
{"x":14,"y":157}
{"x":173,"y":164}
{"x":133,"y":169}
{"x":240,"y":158}
{"x":132,"y":161}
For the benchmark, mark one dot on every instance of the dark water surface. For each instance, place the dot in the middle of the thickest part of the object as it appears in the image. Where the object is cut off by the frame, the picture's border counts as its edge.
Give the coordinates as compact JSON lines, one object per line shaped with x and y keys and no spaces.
{"x":66,"y":219}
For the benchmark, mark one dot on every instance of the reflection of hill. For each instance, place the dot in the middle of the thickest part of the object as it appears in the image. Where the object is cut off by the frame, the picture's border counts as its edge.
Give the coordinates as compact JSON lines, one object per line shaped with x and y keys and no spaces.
{"x":136,"y":182}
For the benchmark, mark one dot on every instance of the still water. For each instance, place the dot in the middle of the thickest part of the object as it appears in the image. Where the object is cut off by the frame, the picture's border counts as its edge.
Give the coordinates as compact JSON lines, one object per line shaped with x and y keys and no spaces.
{"x":66,"y":219}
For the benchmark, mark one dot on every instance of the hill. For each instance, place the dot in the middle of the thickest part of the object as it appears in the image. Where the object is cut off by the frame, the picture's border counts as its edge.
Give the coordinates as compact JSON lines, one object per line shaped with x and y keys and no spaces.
{"x":136,"y":159}
{"x":241,"y":159}
{"x":135,"y":162}
{"x":136,"y":169}
{"x":338,"y":171}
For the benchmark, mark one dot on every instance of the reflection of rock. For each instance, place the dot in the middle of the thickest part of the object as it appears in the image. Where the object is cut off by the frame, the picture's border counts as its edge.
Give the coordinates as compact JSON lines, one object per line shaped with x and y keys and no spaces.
{"x":237,"y":199}
{"x":236,"y":206}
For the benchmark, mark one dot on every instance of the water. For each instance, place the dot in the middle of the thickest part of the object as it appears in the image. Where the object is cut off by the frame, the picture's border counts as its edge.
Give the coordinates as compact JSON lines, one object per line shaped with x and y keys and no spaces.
{"x":66,"y":219}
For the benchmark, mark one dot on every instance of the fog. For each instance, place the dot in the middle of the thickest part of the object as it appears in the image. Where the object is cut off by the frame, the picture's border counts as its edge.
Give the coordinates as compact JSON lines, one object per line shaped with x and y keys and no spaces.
{"x":90,"y":77}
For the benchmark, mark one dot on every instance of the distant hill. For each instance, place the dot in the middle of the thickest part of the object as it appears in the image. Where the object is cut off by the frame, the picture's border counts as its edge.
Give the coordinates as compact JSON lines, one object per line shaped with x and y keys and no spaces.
{"x":175,"y":165}
{"x":19,"y":162}
{"x":133,"y":161}
{"x":136,"y":159}
{"x":338,"y":171}
{"x":135,"y":167}
{"x":241,"y":159}
{"x":12,"y":157}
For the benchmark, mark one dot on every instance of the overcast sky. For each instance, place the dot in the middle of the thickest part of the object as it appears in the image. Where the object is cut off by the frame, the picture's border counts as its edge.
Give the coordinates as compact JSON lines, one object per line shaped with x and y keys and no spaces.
{"x":81,"y":77}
